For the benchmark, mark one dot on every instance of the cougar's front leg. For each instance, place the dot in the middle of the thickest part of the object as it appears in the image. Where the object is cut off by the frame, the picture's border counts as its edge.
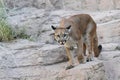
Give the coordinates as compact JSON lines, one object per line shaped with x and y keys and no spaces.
{"x":70,"y":57}
{"x":81,"y":56}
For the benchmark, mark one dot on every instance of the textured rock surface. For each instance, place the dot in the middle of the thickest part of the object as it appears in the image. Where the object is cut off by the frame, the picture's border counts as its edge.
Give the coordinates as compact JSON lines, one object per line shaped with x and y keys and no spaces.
{"x":66,"y":4}
{"x":26,"y":60}
{"x":28,"y":53}
{"x":44,"y":59}
{"x":37,"y":23}
{"x":89,"y":71}
{"x":22,"y":59}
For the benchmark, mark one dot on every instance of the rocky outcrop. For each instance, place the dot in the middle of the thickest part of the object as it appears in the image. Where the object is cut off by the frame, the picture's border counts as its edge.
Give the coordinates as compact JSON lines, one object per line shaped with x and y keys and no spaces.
{"x":89,"y":71}
{"x":26,"y":60}
{"x":28,"y":53}
{"x":37,"y":23}
{"x":111,"y":57}
{"x":44,"y":59}
{"x":22,"y":59}
{"x":93,"y":5}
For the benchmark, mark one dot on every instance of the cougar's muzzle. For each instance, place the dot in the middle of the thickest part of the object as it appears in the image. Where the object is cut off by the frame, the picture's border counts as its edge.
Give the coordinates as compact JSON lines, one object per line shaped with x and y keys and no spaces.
{"x":62,"y":42}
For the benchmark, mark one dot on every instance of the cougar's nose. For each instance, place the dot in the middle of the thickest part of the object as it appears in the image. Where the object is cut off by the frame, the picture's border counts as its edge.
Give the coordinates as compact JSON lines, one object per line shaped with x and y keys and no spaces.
{"x":62,"y":42}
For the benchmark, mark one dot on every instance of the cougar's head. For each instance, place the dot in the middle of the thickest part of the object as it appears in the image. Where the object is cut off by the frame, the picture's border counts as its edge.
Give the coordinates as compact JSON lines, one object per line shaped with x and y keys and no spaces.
{"x":61,"y":34}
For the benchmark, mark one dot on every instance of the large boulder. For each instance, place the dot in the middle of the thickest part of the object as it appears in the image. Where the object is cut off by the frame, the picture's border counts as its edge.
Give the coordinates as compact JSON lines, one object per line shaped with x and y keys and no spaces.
{"x":26,"y":60}
{"x":44,"y":59}
{"x":90,"y":71}
{"x":93,"y":5}
{"x":21,"y":59}
{"x":37,"y":23}
{"x":111,"y":60}
{"x":109,"y":32}
{"x":26,"y":53}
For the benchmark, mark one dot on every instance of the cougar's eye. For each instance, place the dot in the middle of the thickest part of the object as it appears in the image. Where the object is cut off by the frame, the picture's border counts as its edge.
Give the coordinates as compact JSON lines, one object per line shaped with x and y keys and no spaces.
{"x":65,"y":35}
{"x":58,"y":35}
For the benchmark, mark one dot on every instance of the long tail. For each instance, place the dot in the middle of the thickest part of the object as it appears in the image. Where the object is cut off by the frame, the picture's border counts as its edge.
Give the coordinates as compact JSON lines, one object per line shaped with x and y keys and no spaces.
{"x":99,"y":50}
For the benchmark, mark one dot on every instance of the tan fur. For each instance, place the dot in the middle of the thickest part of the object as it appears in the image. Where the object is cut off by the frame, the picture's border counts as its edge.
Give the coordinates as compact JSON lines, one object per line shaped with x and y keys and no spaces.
{"x":82,"y":33}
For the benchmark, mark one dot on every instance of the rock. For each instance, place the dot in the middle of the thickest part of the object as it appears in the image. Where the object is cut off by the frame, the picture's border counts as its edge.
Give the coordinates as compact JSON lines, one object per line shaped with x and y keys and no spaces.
{"x":42,"y":4}
{"x":58,"y":4}
{"x":106,"y":4}
{"x":116,"y":2}
{"x":111,"y":61}
{"x":18,"y":4}
{"x":44,"y":59}
{"x":109,"y":55}
{"x":93,"y":5}
{"x":109,"y":32}
{"x":38,"y":23}
{"x":28,"y":22}
{"x":110,"y":46}
{"x":23,"y":59}
{"x":112,"y":68}
{"x":92,"y":70}
{"x":90,"y":5}
{"x":27,"y":53}
{"x":72,"y":5}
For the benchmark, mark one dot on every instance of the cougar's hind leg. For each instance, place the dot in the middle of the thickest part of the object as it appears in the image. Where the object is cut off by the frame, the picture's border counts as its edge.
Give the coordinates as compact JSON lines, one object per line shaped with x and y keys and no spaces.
{"x":84,"y":49}
{"x":96,"y":48}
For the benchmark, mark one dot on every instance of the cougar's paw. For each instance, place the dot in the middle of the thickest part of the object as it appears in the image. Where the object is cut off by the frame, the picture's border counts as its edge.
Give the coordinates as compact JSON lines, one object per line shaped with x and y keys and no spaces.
{"x":69,"y":67}
{"x":90,"y":58}
{"x":82,"y":60}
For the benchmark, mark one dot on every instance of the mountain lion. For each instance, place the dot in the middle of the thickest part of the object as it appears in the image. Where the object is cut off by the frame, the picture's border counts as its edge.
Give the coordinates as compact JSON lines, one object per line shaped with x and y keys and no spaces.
{"x":79,"y":30}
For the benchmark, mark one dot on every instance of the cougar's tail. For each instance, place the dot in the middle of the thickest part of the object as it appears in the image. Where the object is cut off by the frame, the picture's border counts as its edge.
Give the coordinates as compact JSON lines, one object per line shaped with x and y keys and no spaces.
{"x":98,"y":51}
{"x":99,"y":48}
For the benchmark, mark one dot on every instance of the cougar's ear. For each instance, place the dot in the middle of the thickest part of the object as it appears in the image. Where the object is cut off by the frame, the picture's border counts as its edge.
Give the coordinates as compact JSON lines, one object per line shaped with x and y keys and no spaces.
{"x":53,"y":27}
{"x":68,"y":27}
